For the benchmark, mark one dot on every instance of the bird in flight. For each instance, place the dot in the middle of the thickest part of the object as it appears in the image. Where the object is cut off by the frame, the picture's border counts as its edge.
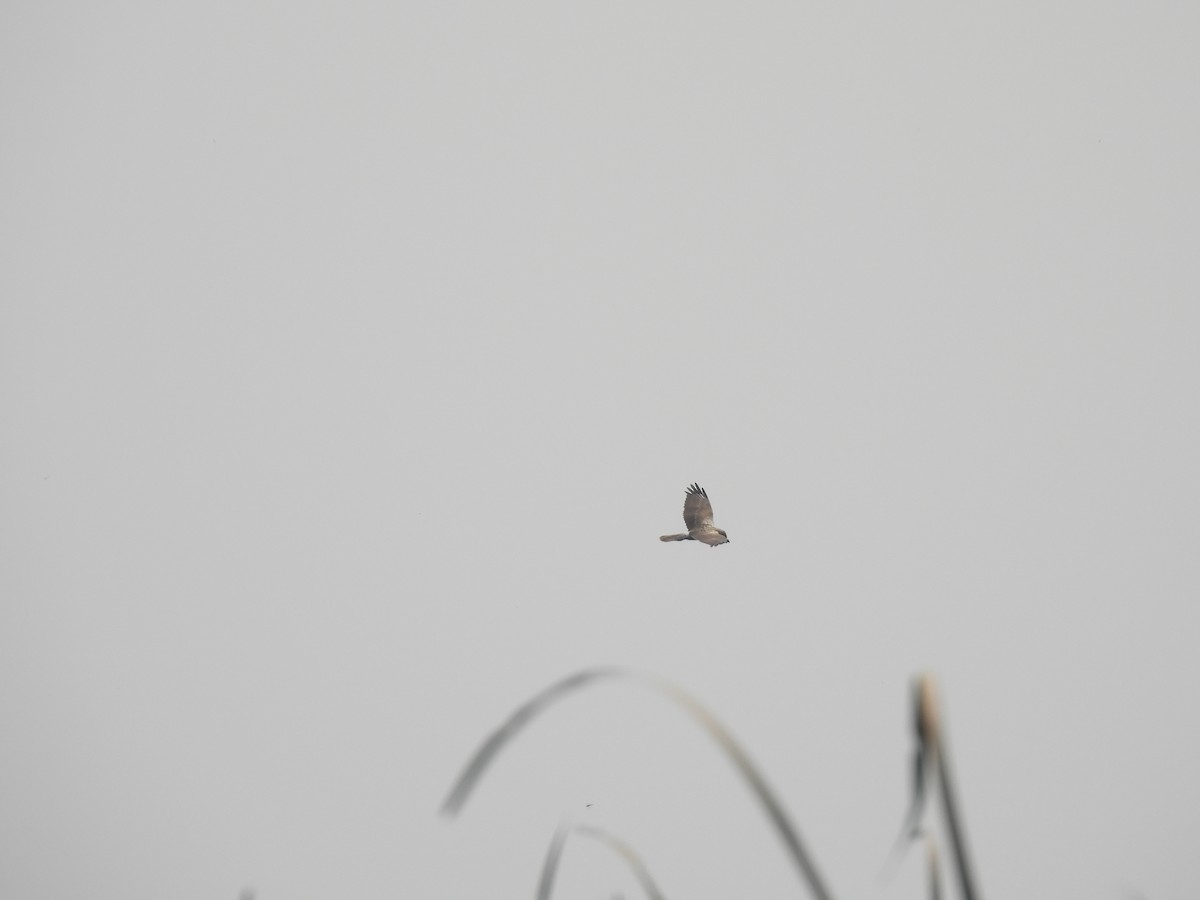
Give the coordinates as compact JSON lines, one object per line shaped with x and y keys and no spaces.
{"x":697,"y":516}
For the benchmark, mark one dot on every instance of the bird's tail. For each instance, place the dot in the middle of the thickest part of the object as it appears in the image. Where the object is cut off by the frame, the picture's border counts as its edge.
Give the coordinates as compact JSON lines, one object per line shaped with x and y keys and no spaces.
{"x":676,"y":537}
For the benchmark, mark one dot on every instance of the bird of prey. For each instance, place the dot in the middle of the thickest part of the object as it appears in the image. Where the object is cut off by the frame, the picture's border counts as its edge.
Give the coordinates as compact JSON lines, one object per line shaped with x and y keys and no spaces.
{"x":697,"y":516}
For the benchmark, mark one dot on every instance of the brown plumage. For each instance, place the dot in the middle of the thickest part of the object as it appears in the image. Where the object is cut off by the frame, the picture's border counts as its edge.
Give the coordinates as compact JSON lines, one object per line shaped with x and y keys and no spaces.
{"x":698,"y":517}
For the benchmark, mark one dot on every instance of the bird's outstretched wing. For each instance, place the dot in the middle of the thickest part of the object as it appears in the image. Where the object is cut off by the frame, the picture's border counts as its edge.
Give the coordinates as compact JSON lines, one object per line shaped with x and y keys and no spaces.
{"x":698,"y":516}
{"x":697,"y":511}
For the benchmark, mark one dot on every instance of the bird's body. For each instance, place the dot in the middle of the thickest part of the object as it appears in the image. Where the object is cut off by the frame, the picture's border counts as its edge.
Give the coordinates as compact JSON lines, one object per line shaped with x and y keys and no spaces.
{"x":698,"y":517}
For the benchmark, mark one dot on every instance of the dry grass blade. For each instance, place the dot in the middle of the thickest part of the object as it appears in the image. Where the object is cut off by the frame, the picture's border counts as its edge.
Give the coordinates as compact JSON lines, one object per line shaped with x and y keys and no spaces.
{"x":508,"y":730}
{"x":930,"y":720}
{"x":631,"y":856}
{"x":933,"y":868}
{"x":622,"y":849}
{"x":911,"y":825}
{"x":550,"y":866}
{"x":774,"y":809}
{"x":766,"y":797}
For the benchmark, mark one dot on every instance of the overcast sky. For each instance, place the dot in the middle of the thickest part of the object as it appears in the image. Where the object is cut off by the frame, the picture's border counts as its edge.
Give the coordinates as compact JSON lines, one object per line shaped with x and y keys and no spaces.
{"x":354,"y":356}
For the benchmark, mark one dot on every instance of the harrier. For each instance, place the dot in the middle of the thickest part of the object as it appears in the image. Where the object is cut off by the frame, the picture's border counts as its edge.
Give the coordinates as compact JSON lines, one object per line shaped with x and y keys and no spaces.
{"x":697,"y":516}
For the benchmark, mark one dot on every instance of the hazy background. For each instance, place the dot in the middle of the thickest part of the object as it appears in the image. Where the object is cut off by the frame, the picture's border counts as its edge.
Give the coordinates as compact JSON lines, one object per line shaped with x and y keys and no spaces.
{"x":354,"y":356}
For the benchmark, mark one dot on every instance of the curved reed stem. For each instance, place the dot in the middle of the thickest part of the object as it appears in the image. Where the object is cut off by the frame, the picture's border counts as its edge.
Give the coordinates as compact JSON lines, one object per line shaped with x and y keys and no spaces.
{"x":741,"y":761}
{"x":622,"y":849}
{"x":931,"y":732}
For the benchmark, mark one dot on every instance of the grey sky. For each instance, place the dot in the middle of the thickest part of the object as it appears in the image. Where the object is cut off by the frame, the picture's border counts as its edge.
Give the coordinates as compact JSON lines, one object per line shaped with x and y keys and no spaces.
{"x":354,"y":356}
